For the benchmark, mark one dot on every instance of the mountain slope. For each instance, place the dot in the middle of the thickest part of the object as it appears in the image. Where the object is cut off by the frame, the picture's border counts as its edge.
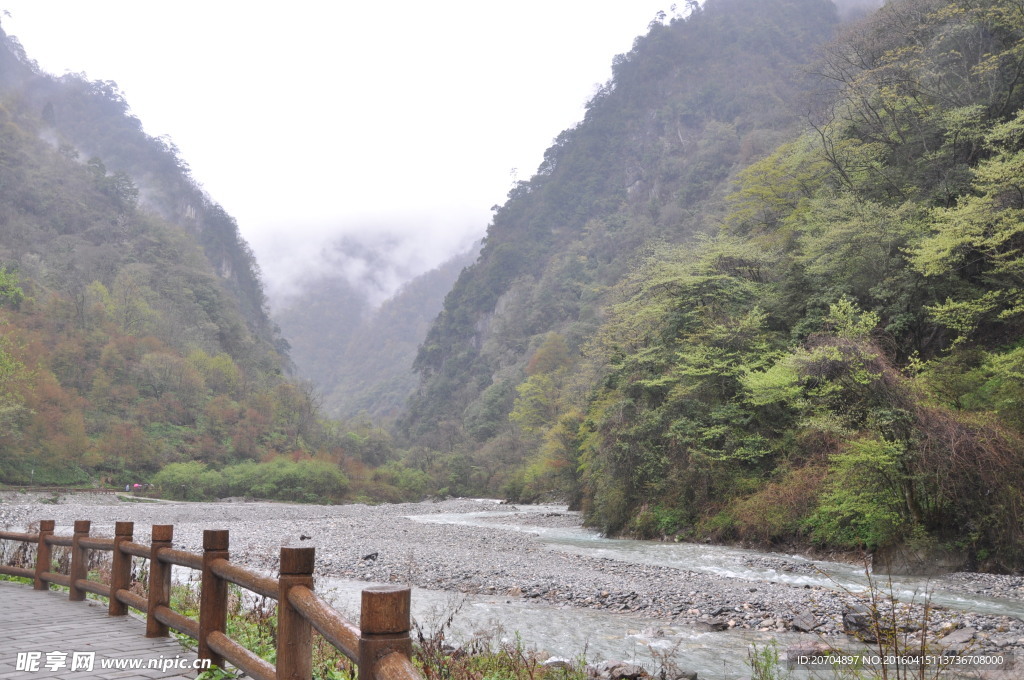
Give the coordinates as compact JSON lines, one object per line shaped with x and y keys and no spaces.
{"x":837,"y":362}
{"x":93,"y":120}
{"x":358,"y":356}
{"x":134,"y":332}
{"x":375,"y":375}
{"x":693,"y":101}
{"x":841,"y":364}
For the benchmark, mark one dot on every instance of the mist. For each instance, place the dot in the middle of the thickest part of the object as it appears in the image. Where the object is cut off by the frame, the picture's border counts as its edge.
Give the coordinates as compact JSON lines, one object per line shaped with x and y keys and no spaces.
{"x":851,"y":9}
{"x":375,"y":256}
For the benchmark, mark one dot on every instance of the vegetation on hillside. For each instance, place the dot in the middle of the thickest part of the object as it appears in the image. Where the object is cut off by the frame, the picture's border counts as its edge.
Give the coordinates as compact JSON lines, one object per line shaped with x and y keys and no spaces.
{"x":837,"y":362}
{"x":92,"y":121}
{"x":133,"y":328}
{"x":649,"y":162}
{"x":841,"y":364}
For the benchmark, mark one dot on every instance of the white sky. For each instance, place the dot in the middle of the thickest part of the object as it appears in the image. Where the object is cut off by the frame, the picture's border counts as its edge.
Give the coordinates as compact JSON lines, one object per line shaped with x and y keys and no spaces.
{"x":309,"y":119}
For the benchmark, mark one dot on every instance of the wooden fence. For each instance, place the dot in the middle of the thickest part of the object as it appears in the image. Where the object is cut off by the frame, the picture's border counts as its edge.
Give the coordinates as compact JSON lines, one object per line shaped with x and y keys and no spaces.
{"x":380,"y":646}
{"x":59,"y":489}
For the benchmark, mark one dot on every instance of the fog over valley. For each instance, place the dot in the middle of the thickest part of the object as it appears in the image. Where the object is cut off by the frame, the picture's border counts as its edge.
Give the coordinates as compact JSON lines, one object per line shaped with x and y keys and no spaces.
{"x":374,"y":258}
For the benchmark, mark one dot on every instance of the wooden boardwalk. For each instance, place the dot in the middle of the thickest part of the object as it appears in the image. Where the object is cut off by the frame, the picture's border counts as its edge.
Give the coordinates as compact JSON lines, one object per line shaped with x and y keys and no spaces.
{"x":33,"y":621}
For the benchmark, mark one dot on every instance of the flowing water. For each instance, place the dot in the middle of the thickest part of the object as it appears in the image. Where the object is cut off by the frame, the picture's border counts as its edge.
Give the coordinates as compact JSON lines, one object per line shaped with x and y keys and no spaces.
{"x":571,"y":632}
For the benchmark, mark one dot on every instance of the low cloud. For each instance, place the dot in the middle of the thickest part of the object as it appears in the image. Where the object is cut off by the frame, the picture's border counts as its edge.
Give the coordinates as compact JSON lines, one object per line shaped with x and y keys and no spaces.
{"x":375,"y":257}
{"x":849,"y":9}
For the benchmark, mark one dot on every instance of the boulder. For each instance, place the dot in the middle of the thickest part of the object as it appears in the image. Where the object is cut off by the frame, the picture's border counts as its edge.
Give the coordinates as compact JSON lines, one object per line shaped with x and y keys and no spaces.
{"x":805,"y":621}
{"x":629,"y":672}
{"x":958,"y":639}
{"x":558,"y":662}
{"x":680,"y":675}
{"x":904,"y":560}
{"x":616,"y":670}
{"x":810,"y":650}
{"x":857,"y":621}
{"x":711,"y":625}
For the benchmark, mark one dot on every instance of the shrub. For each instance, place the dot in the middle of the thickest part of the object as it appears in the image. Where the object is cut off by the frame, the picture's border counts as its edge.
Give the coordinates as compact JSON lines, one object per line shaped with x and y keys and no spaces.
{"x":778,"y":510}
{"x":860,"y":506}
{"x":304,"y":481}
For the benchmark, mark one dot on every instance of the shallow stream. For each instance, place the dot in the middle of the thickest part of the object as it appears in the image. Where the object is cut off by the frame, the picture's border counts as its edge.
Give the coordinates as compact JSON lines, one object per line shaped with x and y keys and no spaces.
{"x":736,"y":562}
{"x":570,"y":632}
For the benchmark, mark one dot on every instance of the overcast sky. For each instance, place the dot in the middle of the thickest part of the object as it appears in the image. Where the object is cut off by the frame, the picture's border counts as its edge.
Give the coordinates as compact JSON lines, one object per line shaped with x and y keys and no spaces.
{"x":309,"y":119}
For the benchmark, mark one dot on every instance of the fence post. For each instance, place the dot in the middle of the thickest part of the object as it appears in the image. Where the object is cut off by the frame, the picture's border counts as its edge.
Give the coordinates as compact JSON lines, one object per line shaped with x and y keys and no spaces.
{"x":120,"y":568}
{"x":213,"y":600}
{"x":294,"y":632}
{"x":78,"y":569}
{"x":44,"y":553}
{"x":159,"y":579}
{"x":384,"y":623}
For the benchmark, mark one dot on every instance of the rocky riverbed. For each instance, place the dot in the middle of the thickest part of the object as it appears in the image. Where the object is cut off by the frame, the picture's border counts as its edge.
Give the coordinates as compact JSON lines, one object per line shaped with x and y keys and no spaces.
{"x":381,"y":544}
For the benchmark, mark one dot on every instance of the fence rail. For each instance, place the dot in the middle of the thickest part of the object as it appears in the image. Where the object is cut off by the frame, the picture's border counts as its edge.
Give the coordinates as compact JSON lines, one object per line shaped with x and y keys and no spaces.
{"x":59,"y":489}
{"x":380,"y":645}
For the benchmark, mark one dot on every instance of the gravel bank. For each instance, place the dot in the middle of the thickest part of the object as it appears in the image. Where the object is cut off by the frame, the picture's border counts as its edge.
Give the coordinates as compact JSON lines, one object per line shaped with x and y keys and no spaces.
{"x":380,"y":543}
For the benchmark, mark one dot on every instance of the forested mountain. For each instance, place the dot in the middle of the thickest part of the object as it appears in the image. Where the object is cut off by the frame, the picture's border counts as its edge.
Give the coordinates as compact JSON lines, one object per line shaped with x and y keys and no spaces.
{"x":91,"y":121}
{"x":694,"y":100}
{"x":837,"y":358}
{"x":359,"y":355}
{"x":133,"y":328}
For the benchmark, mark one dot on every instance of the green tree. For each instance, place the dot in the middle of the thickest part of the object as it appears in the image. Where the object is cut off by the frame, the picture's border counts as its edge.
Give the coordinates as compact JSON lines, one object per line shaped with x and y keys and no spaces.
{"x":10,"y":290}
{"x":980,"y":242}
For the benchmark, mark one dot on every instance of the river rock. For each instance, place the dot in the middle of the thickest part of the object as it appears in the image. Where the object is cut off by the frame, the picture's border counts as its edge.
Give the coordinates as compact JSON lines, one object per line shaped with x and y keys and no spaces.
{"x":497,"y":558}
{"x":857,"y":621}
{"x":558,"y":662}
{"x":629,"y":672}
{"x":680,"y":675}
{"x":811,"y":650}
{"x":711,"y":625}
{"x":903,"y":560}
{"x":958,"y":639}
{"x":805,"y":621}
{"x":616,"y":670}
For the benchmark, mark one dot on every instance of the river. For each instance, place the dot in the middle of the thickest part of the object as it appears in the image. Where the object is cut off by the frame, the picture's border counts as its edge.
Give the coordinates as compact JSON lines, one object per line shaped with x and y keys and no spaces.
{"x":574,"y":632}
{"x":463,"y":544}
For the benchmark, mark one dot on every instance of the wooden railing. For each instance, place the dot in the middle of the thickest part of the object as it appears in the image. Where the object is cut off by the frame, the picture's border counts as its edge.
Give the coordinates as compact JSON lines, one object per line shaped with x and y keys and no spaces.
{"x":60,"y":489}
{"x":380,"y":646}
